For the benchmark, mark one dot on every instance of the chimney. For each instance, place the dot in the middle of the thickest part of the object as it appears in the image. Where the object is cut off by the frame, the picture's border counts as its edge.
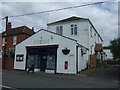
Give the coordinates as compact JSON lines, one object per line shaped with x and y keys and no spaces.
{"x":9,"y":26}
{"x":32,"y":28}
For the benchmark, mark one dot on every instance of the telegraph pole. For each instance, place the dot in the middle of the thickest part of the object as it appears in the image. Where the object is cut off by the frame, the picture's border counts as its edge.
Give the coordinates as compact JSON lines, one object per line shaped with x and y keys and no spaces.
{"x":5,"y":43}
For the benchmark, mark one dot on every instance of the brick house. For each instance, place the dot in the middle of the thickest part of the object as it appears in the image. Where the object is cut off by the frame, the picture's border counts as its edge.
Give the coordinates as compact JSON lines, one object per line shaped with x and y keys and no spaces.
{"x":12,"y":37}
{"x":0,"y":45}
{"x":0,"y":50}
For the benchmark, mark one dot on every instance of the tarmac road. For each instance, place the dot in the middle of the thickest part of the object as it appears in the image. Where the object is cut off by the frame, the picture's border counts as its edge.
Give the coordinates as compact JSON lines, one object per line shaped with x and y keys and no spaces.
{"x":101,"y":78}
{"x":108,"y":72}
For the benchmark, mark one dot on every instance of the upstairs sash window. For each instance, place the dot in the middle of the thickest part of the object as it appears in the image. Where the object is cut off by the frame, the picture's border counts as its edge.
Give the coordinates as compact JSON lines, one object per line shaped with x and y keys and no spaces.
{"x":74,"y":29}
{"x":59,"y":30}
{"x":14,"y":40}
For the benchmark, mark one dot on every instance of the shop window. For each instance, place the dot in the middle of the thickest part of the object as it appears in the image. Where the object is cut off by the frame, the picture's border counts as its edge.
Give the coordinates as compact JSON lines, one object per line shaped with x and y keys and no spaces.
{"x":51,"y":60}
{"x":30,"y":60}
{"x":33,"y":58}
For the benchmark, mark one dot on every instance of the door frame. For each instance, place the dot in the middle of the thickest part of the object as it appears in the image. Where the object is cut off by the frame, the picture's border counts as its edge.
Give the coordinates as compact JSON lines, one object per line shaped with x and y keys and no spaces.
{"x":43,"y":62}
{"x":46,"y":46}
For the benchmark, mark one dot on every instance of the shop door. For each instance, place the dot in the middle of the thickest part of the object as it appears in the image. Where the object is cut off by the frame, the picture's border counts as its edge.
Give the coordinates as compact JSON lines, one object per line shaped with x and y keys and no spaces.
{"x":43,"y":61}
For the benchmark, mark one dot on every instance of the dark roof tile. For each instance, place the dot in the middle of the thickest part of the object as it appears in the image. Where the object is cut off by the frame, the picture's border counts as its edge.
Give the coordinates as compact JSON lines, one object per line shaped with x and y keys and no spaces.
{"x":68,"y":19}
{"x":19,"y":30}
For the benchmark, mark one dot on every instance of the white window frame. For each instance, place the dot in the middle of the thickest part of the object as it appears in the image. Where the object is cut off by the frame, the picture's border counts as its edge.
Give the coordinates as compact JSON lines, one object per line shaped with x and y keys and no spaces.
{"x":59,"y":30}
{"x":3,"y":41}
{"x":74,"y":29}
{"x":95,"y":36}
{"x":14,"y":40}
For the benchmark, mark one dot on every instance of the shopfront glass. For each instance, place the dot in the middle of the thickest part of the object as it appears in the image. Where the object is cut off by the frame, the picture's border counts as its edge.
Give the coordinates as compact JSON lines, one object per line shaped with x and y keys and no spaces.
{"x":42,"y":58}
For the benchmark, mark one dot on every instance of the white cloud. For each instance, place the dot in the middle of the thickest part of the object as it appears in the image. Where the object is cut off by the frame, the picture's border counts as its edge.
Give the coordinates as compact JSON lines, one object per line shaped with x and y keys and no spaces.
{"x":103,"y":17}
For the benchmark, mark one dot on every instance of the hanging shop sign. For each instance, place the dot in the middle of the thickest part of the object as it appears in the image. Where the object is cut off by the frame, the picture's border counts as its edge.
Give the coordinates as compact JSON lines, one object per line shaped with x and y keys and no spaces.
{"x":65,"y":51}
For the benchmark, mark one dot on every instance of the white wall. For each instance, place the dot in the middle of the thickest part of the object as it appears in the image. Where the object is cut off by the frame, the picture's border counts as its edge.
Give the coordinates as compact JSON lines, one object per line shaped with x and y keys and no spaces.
{"x":93,"y":40}
{"x":61,"y":58}
{"x":82,"y":25}
{"x":108,"y":53}
{"x":83,"y":36}
{"x":82,"y":60}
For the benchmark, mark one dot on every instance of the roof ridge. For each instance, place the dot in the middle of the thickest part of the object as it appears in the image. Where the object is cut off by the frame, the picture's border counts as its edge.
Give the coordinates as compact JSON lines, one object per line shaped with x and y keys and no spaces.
{"x":17,"y":27}
{"x":24,"y":29}
{"x":67,"y":19}
{"x":20,"y":30}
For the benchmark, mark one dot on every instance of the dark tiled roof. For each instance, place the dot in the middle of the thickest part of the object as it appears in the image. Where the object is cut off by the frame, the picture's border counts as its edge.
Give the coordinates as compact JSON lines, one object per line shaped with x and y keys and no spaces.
{"x":68,"y":19}
{"x":19,"y":30}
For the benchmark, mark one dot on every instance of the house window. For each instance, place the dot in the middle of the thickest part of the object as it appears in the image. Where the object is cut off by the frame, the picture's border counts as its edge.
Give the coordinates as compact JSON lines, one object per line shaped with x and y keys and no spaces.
{"x":3,"y":42}
{"x":11,"y":52}
{"x":14,"y":40}
{"x":91,"y":49}
{"x":95,"y":35}
{"x":91,"y":31}
{"x":51,"y":62}
{"x":59,"y":30}
{"x":73,"y":29}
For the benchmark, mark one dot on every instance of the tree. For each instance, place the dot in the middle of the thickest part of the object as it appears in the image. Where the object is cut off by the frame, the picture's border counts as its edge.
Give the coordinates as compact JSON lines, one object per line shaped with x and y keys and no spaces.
{"x":115,"y":48}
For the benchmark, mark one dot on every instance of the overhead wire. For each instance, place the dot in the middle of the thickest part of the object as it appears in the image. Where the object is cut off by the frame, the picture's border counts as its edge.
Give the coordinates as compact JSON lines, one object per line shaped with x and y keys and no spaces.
{"x":48,"y":11}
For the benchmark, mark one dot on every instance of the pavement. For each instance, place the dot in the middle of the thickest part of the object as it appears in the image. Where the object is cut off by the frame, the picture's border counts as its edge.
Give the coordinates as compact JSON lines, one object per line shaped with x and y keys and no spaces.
{"x":103,"y":77}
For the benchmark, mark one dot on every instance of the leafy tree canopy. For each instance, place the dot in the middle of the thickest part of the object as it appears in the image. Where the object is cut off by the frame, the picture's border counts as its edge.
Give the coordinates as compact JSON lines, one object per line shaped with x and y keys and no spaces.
{"x":115,"y":48}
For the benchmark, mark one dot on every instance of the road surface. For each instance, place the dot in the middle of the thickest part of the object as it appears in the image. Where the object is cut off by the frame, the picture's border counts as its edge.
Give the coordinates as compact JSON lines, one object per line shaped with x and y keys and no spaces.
{"x":101,"y":78}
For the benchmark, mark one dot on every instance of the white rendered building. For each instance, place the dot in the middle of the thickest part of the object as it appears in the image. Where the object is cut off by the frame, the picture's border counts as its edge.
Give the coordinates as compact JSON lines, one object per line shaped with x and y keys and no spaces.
{"x":63,"y":48}
{"x":109,"y":55}
{"x":45,"y":50}
{"x":80,"y":29}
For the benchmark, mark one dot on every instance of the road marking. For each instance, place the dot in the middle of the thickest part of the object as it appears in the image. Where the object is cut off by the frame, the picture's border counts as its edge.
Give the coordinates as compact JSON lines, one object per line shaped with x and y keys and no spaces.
{"x":8,"y":87}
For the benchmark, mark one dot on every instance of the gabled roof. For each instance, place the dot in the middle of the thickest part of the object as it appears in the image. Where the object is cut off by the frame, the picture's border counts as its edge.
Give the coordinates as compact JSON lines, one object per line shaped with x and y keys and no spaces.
{"x":58,"y":34}
{"x":19,"y":30}
{"x":63,"y":36}
{"x":49,"y":32}
{"x":68,"y":19}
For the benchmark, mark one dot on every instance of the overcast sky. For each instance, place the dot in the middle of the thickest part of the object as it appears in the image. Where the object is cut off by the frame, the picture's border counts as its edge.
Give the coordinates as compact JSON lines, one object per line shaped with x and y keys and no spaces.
{"x":103,"y":16}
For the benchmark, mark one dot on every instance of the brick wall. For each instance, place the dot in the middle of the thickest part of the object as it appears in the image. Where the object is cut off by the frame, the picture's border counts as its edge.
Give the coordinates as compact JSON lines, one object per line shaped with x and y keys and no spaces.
{"x":10,"y":61}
